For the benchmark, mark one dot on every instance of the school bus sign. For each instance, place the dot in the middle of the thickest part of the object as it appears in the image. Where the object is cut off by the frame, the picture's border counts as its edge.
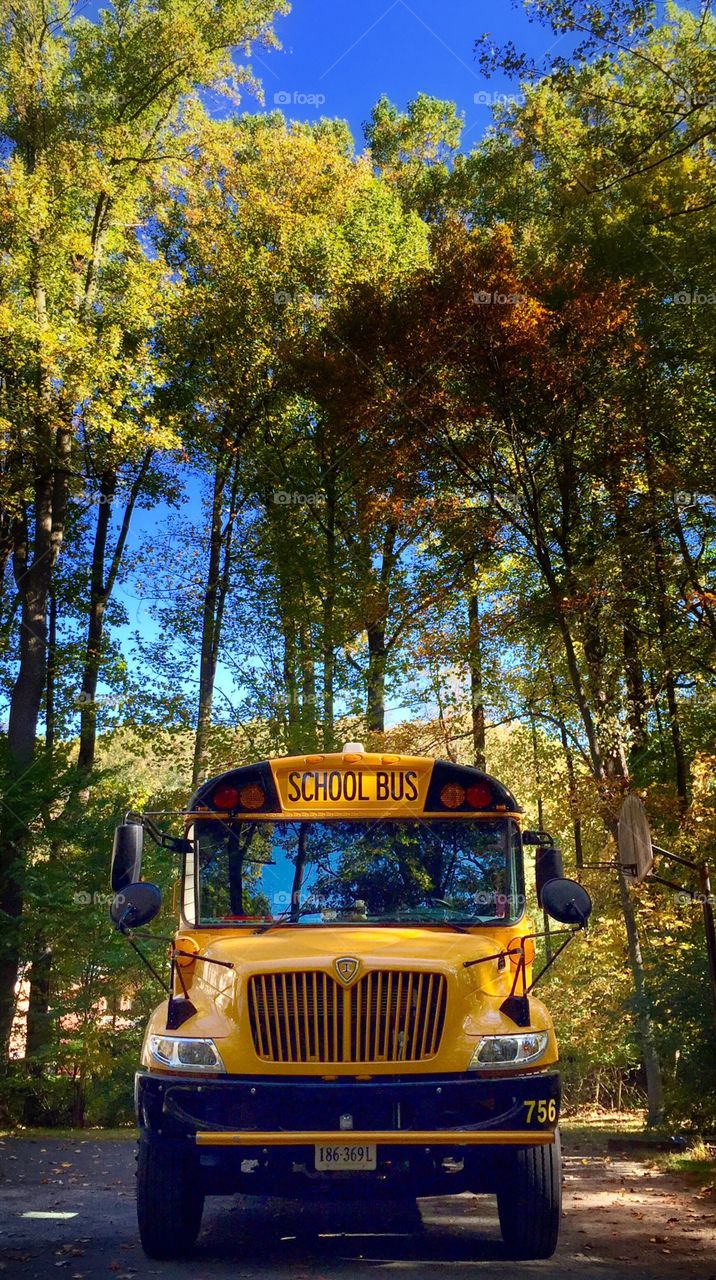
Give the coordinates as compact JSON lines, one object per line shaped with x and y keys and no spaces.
{"x":356,"y":787}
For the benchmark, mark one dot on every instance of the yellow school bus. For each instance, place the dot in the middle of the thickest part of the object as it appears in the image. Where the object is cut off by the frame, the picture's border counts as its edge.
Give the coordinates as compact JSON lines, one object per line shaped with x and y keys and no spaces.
{"x":350,"y":1004}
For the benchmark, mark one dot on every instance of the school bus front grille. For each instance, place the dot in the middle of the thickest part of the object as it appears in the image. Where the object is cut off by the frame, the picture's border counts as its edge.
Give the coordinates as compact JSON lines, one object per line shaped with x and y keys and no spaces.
{"x":309,"y":1017}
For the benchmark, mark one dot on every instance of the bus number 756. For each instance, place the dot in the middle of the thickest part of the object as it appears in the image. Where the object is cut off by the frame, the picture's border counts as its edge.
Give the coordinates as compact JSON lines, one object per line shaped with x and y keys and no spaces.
{"x":546,"y":1110}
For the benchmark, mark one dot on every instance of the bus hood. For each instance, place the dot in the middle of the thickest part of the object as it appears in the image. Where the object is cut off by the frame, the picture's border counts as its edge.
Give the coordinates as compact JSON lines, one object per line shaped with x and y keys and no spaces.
{"x":270,"y":991}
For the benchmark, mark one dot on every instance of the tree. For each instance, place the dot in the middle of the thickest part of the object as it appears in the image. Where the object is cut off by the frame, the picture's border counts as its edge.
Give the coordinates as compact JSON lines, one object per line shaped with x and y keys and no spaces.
{"x":90,"y":114}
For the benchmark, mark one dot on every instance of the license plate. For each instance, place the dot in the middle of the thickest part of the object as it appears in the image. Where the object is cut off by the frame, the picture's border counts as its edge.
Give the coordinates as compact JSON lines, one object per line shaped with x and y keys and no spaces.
{"x":340,"y":1156}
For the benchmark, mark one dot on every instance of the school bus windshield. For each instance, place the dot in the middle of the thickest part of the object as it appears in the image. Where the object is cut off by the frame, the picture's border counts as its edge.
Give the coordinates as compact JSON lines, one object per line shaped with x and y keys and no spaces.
{"x":359,"y":871}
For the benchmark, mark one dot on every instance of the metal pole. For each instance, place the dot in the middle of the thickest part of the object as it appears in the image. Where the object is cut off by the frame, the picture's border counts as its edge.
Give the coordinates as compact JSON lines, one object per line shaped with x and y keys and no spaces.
{"x":709,"y":927}
{"x":676,"y":857}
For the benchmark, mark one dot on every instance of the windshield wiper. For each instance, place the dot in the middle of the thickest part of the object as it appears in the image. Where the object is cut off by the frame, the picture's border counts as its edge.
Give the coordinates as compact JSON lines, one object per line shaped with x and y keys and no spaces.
{"x":292,"y":917}
{"x":418,"y":919}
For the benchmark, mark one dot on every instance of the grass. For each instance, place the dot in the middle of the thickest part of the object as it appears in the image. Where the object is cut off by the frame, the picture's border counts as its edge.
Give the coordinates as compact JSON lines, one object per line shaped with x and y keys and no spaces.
{"x":698,"y":1165}
{"x":587,"y":1131}
{"x":128,"y":1134}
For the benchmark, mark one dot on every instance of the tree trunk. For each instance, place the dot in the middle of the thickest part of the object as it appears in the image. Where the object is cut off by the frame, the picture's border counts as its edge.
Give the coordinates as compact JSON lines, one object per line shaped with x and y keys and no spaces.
{"x":329,"y":596}
{"x":207,"y":662}
{"x":477,"y":704}
{"x":540,"y":822}
{"x":33,"y":570}
{"x":652,"y":1068}
{"x":308,"y":688}
{"x":95,"y":626}
{"x":101,"y":588}
{"x":51,"y":690}
{"x":615,"y":771}
{"x":681,"y":770}
{"x":39,"y":1034}
{"x":666,"y":648}
{"x":218,"y":581}
{"x":329,"y":664}
{"x":39,"y":1024}
{"x":291,"y":681}
{"x":376,"y":621}
{"x":691,"y":569}
{"x":573,"y":802}
{"x":39,"y":1029}
{"x":295,"y":905}
{"x":665,"y":639}
{"x":632,"y":593}
{"x":556,"y":594}
{"x":636,"y":690}
{"x":375,"y":693}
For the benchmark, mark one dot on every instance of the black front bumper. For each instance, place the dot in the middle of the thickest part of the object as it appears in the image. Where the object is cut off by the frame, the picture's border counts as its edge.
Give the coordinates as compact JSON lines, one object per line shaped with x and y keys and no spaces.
{"x":174,"y":1111}
{"x":191,"y":1104}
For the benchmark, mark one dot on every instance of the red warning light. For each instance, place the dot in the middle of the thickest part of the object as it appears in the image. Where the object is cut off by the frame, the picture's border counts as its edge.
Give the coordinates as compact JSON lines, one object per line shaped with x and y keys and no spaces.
{"x":226,"y":798}
{"x":479,"y":795}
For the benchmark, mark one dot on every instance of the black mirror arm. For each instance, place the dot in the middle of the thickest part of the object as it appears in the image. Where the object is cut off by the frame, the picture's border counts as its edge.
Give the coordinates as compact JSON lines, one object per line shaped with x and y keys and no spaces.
{"x":190,"y":955}
{"x":503,"y":955}
{"x":176,"y":844}
{"x":572,"y":934}
{"x":124,"y":923}
{"x":147,"y":963}
{"x":542,"y":838}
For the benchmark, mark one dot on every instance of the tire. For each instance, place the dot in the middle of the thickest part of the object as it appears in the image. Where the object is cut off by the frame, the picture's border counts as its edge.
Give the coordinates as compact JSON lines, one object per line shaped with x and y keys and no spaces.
{"x":170,"y":1200}
{"x":529,"y":1200}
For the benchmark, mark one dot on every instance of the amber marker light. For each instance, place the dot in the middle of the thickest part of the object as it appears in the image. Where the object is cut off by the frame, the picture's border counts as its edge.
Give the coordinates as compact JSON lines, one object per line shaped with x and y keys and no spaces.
{"x":452,"y":795}
{"x":251,"y":796}
{"x":190,"y":949}
{"x":515,"y":950}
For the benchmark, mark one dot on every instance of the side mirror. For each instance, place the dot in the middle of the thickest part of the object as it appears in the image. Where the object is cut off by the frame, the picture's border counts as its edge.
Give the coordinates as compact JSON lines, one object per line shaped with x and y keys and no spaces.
{"x":566,"y":901}
{"x":127,"y":855}
{"x":548,"y":866}
{"x":136,"y":905}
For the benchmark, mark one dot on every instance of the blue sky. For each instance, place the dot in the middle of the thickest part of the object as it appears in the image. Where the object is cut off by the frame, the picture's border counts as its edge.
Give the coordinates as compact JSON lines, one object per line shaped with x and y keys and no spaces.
{"x":337,"y":58}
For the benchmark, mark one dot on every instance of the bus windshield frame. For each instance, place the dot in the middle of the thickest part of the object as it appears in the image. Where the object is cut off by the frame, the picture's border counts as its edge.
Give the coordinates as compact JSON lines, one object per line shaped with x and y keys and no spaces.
{"x":252,"y":873}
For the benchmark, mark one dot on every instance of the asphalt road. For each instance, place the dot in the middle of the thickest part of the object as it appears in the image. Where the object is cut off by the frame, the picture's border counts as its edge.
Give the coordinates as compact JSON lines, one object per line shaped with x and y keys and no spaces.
{"x":622,"y":1221}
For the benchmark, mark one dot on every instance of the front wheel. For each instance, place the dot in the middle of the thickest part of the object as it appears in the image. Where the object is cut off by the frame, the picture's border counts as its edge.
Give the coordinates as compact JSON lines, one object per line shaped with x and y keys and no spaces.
{"x":529,"y":1200}
{"x":170,"y":1200}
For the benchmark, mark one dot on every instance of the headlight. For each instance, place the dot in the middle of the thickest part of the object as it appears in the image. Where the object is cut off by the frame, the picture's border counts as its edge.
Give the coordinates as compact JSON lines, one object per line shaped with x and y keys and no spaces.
{"x":183,"y":1054}
{"x":508,"y":1051}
